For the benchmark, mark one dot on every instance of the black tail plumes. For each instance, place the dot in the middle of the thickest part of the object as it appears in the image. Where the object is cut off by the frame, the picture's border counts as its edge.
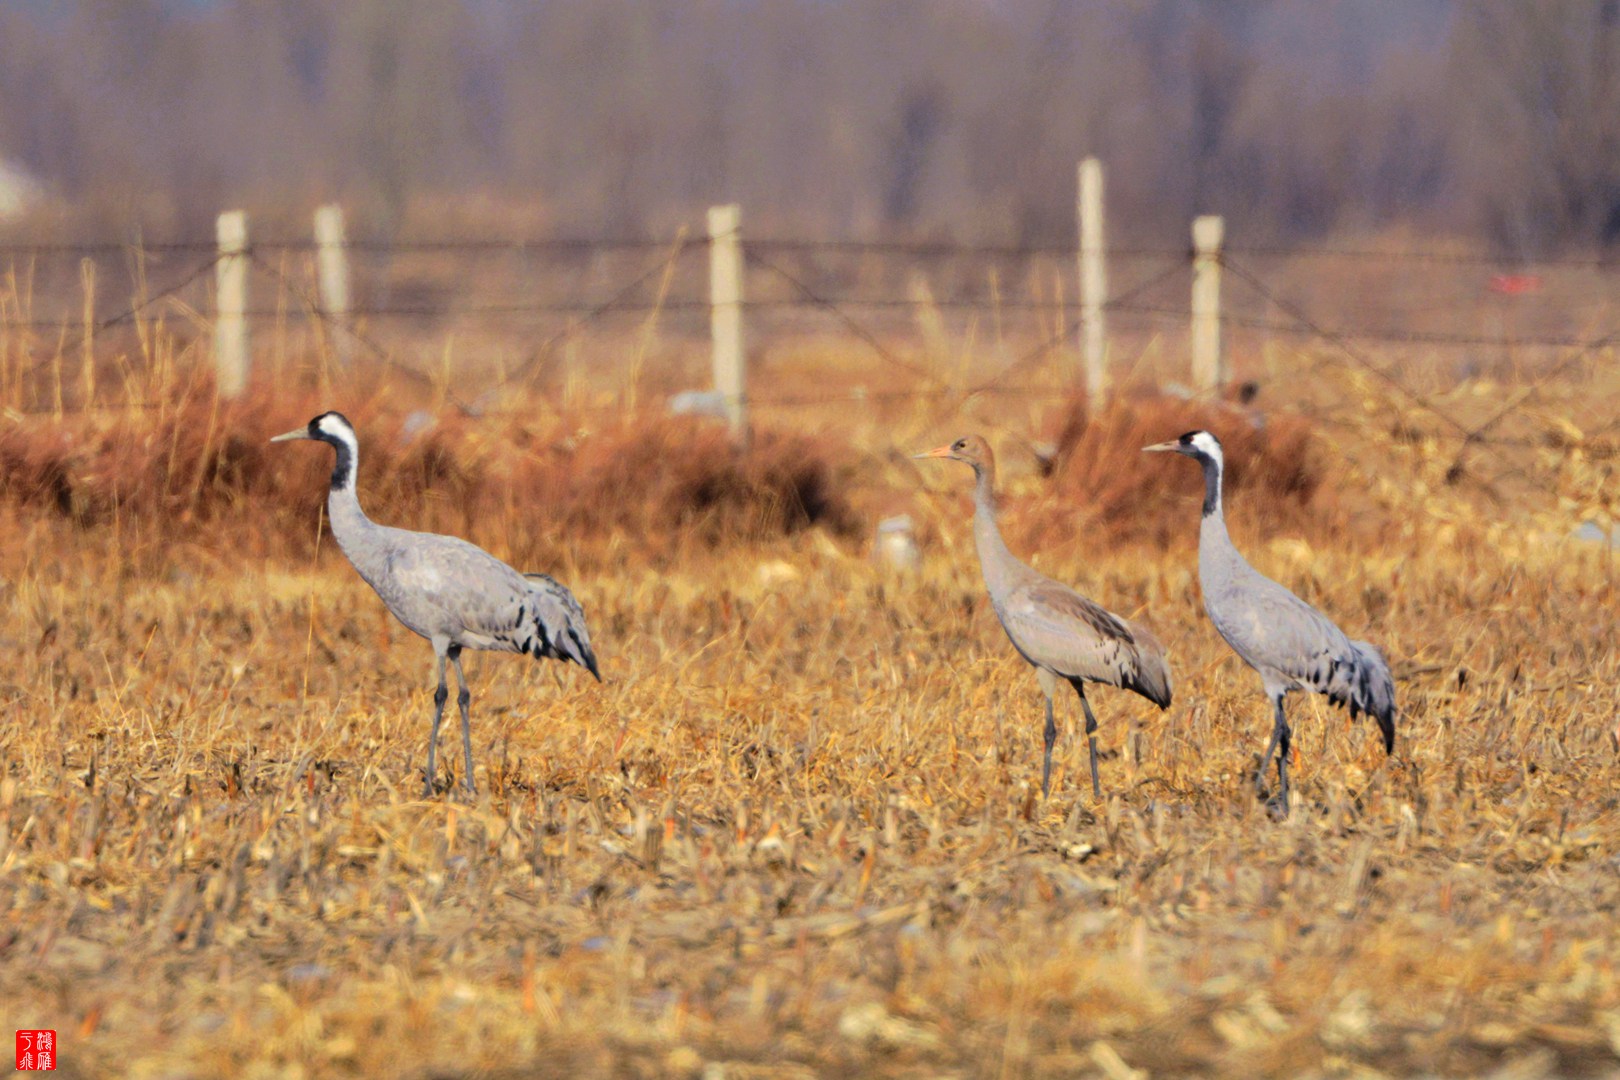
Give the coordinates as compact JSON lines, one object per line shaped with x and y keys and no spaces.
{"x":554,"y":625}
{"x":1366,"y":686}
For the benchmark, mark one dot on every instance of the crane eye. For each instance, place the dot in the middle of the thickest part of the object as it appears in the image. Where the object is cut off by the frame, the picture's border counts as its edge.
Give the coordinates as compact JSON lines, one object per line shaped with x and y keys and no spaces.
{"x":961,"y":444}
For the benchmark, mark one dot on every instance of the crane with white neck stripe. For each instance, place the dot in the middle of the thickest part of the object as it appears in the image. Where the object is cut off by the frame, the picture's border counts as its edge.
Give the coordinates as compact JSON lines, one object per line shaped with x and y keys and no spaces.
{"x":1289,"y":643}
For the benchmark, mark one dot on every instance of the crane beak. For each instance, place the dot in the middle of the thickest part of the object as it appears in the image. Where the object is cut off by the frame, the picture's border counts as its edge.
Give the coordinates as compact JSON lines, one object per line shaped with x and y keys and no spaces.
{"x":1171,"y":447}
{"x":938,"y":451}
{"x":295,"y":433}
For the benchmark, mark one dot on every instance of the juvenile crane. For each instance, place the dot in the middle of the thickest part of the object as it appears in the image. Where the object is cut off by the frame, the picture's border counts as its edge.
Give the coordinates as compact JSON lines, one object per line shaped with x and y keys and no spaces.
{"x":1059,"y":632}
{"x":1289,"y":643}
{"x":456,"y":595}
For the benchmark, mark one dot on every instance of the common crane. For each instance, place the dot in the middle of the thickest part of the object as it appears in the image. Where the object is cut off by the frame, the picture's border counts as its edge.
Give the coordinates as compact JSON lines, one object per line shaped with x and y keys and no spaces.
{"x":1059,"y":632}
{"x":456,"y":595}
{"x":1289,"y":643}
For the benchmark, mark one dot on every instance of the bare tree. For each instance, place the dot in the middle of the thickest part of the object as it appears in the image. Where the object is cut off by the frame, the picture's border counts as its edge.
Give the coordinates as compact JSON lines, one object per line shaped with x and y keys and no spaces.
{"x":1538,"y":98}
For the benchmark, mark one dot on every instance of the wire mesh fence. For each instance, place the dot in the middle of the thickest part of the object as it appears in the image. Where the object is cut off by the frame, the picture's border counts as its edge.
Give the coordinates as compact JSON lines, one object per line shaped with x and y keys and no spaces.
{"x":946,"y":322}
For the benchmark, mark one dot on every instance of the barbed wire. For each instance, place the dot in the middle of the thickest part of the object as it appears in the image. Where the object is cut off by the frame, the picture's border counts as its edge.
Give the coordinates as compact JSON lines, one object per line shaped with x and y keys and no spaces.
{"x":680,"y":246}
{"x":853,"y":325}
{"x":1066,"y":333}
{"x":758,"y":254}
{"x":102,"y":325}
{"x":575,"y":245}
{"x":315,"y":311}
{"x":1355,"y":356}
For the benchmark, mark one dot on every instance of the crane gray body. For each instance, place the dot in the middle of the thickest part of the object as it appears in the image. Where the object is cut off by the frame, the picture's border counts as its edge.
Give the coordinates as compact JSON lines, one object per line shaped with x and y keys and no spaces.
{"x":1290,"y":644}
{"x":449,"y":591}
{"x":446,"y":589}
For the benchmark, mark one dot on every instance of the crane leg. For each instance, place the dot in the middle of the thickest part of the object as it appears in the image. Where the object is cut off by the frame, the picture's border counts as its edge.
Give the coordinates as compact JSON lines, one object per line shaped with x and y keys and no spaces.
{"x":1048,"y":683}
{"x":1091,"y":737}
{"x":1281,"y":743}
{"x":1284,"y":744}
{"x":439,"y":697}
{"x":1051,"y":737}
{"x":464,"y":699}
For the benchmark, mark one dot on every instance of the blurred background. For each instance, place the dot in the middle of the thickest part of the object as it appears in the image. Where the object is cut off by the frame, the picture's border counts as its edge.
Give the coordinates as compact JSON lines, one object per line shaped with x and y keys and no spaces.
{"x":1420,"y":203}
{"x":959,"y":119}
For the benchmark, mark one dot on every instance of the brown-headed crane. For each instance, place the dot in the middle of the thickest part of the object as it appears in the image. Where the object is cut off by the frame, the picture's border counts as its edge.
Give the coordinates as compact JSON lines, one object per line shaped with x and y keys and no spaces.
{"x":1060,"y":633}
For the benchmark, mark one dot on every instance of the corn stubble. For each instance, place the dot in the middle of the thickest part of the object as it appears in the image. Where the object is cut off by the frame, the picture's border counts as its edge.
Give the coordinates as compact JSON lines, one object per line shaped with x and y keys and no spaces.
{"x":797,"y":831}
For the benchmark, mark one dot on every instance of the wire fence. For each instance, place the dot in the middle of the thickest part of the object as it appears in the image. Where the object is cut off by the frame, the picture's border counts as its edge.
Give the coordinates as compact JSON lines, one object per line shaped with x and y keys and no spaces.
{"x":1436,"y":318}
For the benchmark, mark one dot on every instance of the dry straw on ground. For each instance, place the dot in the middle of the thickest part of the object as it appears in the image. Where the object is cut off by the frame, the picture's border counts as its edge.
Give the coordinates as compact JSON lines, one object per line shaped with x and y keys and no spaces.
{"x":796,"y":832}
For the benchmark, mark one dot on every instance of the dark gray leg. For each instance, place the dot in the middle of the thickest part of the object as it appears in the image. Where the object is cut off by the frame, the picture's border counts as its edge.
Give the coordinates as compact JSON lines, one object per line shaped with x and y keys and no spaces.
{"x":439,"y":697}
{"x":1281,"y":743}
{"x":1091,"y":737}
{"x":1284,"y":743}
{"x":1051,"y":737}
{"x":1271,"y":748}
{"x":464,"y":699}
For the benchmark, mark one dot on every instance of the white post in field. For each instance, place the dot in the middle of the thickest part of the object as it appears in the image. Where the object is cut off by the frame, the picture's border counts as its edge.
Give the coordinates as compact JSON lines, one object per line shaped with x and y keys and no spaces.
{"x":332,"y":272}
{"x":1208,"y":359}
{"x":1093,"y":284}
{"x":725,"y":313}
{"x":230,"y":319}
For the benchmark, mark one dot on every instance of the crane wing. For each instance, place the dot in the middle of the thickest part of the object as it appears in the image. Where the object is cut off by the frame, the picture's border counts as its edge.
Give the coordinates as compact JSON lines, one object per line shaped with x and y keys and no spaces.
{"x":1053,"y":626}
{"x":1281,"y":635}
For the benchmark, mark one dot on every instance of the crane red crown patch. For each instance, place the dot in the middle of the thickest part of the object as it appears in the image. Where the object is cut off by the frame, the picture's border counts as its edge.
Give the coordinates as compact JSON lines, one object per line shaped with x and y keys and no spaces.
{"x":36,"y":1051}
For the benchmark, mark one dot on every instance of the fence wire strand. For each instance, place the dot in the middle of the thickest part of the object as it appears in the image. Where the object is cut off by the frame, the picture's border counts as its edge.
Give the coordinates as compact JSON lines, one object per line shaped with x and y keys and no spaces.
{"x":761,"y":254}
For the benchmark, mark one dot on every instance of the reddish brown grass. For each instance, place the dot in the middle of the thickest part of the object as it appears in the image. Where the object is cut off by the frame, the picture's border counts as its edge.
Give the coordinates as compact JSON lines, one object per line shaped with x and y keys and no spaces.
{"x":1101,"y":478}
{"x":656,"y":482}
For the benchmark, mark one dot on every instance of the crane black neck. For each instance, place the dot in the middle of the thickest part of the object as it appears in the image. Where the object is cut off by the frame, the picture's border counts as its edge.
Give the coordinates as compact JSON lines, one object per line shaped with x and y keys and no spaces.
{"x":1212,"y":484}
{"x":343,"y":471}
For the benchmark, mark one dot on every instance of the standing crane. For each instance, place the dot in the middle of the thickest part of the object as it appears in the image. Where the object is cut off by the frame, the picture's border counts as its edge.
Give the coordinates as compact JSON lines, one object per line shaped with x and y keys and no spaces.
{"x":456,"y":595}
{"x":1289,"y":643}
{"x":1059,"y":632}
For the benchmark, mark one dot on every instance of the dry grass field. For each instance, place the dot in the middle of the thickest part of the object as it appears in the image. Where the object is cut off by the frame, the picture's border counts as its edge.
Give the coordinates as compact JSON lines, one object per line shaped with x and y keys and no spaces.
{"x":797,"y":830}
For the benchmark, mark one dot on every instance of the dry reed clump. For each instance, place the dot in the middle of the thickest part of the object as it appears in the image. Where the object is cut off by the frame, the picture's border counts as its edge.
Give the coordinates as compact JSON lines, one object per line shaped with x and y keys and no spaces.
{"x":178,"y":467}
{"x":677,"y":475}
{"x":1099,"y":473}
{"x":654,"y":481}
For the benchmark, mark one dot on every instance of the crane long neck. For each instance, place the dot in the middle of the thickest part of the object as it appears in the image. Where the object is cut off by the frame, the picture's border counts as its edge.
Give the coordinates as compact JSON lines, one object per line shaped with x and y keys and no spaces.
{"x":1218,"y":558}
{"x":1212,"y":487}
{"x":994,"y":557}
{"x":348,"y":521}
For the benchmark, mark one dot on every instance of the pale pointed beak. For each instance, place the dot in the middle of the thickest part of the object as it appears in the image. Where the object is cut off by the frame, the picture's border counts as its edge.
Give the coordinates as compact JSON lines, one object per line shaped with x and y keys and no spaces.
{"x":295,"y":433}
{"x":1171,"y":447}
{"x":938,"y":451}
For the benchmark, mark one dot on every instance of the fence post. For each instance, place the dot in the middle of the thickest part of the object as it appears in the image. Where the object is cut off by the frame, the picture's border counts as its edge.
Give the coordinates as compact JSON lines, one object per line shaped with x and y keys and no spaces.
{"x":1093,"y":284}
{"x":230,"y":320}
{"x":725,"y":313}
{"x":332,"y":272}
{"x":1208,"y":359}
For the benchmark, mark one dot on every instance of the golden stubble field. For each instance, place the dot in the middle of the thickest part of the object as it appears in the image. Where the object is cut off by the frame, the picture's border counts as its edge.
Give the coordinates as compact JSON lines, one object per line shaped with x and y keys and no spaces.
{"x":797,"y":831}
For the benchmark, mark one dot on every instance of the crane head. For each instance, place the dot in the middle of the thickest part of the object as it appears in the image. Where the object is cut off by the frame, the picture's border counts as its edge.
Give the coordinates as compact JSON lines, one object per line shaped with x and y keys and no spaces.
{"x":1194,"y":444}
{"x":328,"y":427}
{"x":969,"y":449}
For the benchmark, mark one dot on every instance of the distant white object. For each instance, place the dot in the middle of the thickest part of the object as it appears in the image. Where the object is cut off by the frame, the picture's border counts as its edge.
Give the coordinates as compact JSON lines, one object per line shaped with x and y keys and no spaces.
{"x":774,"y":573}
{"x":17,"y":190}
{"x":418,"y":422}
{"x":1593,"y":533}
{"x":895,"y":545}
{"x":699,"y":403}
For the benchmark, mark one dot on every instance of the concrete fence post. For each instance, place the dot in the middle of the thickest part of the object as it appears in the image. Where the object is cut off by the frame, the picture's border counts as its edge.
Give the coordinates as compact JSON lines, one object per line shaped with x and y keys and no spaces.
{"x":725,"y":313}
{"x":332,"y":274}
{"x":230,"y":319}
{"x":1093,"y":285}
{"x":1209,"y":365}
